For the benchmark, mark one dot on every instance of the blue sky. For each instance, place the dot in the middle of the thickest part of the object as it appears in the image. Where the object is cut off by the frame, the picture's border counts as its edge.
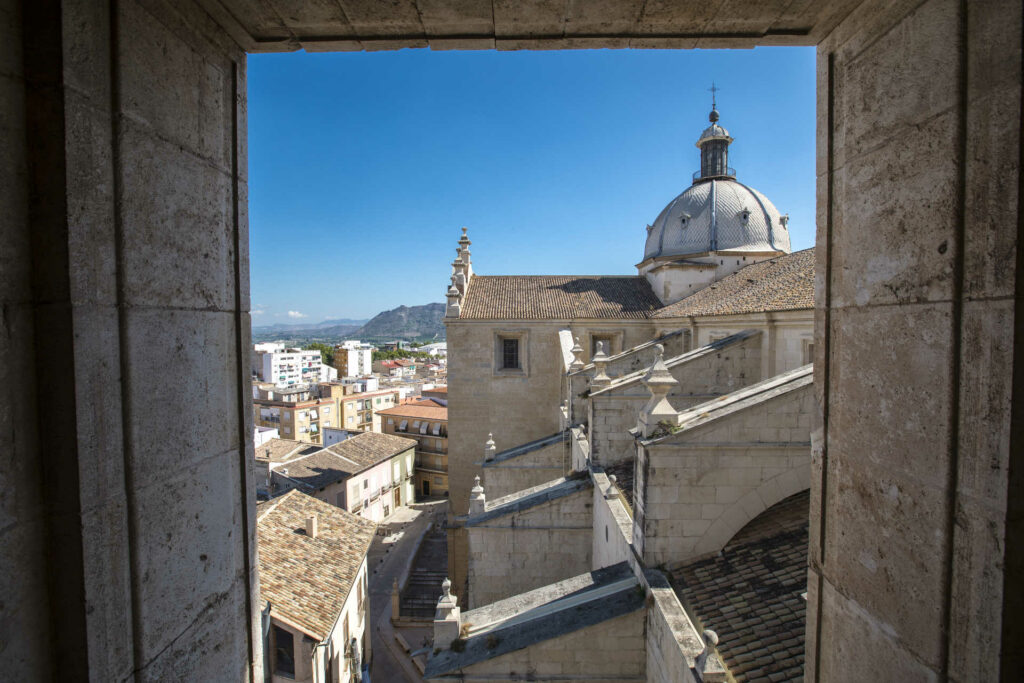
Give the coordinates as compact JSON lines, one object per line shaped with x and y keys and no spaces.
{"x":364,"y":166}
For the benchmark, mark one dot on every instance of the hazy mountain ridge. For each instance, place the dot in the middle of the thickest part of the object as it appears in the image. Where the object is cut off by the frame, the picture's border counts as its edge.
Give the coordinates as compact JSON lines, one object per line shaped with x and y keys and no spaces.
{"x":404,"y":322}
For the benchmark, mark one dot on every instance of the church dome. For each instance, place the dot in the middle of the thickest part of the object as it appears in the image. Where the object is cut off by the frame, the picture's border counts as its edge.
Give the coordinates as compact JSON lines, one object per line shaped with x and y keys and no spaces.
{"x":717,"y":215}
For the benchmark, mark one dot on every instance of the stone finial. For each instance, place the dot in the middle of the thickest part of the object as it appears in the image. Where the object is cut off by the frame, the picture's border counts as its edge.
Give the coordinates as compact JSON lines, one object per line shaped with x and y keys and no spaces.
{"x":659,"y":381}
{"x":701,"y":662}
{"x":489,"y":449}
{"x":600,"y":359}
{"x":477,"y":499}
{"x":447,"y":617}
{"x":464,"y":240}
{"x":784,"y":219}
{"x":454,"y":308}
{"x":577,"y":353}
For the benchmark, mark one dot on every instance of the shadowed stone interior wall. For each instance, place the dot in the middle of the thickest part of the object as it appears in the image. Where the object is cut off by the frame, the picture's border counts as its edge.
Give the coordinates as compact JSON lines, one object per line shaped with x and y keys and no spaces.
{"x":918,"y":239}
{"x":127,"y":546}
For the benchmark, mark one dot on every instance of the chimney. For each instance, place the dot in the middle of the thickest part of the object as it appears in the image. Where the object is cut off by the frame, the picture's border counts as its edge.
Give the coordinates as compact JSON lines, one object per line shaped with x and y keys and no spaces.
{"x":311,"y":526}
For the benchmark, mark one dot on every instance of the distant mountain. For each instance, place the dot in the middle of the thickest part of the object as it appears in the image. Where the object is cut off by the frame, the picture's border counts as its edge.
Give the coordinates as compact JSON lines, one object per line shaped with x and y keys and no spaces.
{"x":305,"y":327}
{"x":405,"y":322}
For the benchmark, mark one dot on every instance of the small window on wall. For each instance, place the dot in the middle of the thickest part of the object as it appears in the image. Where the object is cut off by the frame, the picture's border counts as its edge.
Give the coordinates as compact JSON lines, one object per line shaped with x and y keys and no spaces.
{"x":284,"y":652}
{"x":808,"y":352}
{"x":510,"y":354}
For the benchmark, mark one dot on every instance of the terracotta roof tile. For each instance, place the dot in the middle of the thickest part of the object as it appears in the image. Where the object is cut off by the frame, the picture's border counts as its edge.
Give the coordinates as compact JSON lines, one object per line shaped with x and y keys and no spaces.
{"x":779,"y":284}
{"x":424,"y":410}
{"x":370,"y":448}
{"x":543,"y":297}
{"x":306,"y":580}
{"x":279,"y":450}
{"x":750,"y":594}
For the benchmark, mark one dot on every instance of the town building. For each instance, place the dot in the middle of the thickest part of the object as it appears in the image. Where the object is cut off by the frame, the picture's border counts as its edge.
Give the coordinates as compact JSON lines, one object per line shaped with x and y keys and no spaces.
{"x":359,"y":412}
{"x":436,"y":349}
{"x":426,"y":421}
{"x":313,"y":576}
{"x":289,"y":367}
{"x":368,"y":474}
{"x":297,"y":412}
{"x":353,"y":358}
{"x":401,"y":368}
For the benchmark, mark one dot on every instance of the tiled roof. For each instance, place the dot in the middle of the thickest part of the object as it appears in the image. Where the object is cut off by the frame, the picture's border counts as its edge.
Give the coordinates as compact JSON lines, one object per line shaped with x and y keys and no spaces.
{"x":279,"y":450}
{"x":750,"y":594}
{"x":420,"y":411}
{"x":543,"y":297}
{"x":306,"y":580}
{"x":369,"y":448}
{"x":779,"y":284}
{"x":318,"y":470}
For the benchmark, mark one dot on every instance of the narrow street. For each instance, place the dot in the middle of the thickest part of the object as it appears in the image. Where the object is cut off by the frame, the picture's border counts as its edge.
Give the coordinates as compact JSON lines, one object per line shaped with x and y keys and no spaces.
{"x":388,"y":558}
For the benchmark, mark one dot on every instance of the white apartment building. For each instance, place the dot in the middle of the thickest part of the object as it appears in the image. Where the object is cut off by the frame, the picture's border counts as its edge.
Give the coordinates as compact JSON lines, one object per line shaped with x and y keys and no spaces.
{"x":354,"y":358}
{"x":288,"y":367}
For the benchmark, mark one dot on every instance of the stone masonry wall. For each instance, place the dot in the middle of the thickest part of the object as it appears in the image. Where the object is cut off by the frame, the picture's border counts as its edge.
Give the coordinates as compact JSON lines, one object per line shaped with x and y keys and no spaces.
{"x":524,"y":550}
{"x":915,"y":553}
{"x":700,"y":488}
{"x":124,"y":272}
{"x":612,"y":651}
{"x":612,"y":413}
{"x":613,"y":526}
{"x":526,"y":471}
{"x":516,"y":409}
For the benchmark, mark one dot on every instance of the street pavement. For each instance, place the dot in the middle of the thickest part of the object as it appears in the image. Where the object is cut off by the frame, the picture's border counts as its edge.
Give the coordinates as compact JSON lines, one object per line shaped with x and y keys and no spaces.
{"x":387,"y":559}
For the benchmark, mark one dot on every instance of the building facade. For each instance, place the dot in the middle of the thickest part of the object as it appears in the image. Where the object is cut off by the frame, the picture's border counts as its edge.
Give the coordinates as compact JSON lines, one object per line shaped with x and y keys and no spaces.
{"x":353,"y":359}
{"x":368,"y":474}
{"x":426,"y":421}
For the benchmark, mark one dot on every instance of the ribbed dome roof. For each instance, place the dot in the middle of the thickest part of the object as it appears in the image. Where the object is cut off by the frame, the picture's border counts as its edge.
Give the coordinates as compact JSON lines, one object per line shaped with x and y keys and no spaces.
{"x":717,"y":215}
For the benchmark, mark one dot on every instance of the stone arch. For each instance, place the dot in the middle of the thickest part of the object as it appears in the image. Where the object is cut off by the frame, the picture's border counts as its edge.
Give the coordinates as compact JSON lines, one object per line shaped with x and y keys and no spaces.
{"x":756,"y":501}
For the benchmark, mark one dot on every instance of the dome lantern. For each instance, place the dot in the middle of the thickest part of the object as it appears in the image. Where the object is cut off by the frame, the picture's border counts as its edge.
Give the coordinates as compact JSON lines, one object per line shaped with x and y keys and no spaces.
{"x":714,"y":148}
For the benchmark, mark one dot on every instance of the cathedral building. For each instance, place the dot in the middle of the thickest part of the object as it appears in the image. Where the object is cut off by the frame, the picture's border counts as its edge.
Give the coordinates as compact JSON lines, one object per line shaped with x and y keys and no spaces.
{"x":602,"y":426}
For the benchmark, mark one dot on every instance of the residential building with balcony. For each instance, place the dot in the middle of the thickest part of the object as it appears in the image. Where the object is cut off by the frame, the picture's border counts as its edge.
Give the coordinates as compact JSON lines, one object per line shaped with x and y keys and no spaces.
{"x":317,"y":606}
{"x":369,"y":474}
{"x":402,"y":368}
{"x":299,"y":412}
{"x":289,"y":367}
{"x":426,"y":421}
{"x":359,"y":411}
{"x":353,"y":359}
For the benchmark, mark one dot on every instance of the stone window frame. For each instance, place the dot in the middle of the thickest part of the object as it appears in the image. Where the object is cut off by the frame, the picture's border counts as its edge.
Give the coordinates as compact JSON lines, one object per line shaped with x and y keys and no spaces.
{"x":523,"y":336}
{"x":616,"y":337}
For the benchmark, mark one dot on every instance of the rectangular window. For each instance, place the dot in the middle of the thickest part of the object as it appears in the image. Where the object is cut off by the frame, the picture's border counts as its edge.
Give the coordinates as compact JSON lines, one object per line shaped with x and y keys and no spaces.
{"x":284,"y":652}
{"x":510,"y":354}
{"x":603,"y":339}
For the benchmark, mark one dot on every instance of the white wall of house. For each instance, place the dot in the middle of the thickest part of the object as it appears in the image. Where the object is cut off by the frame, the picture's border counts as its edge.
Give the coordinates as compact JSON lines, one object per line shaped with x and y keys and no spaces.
{"x":371,"y":493}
